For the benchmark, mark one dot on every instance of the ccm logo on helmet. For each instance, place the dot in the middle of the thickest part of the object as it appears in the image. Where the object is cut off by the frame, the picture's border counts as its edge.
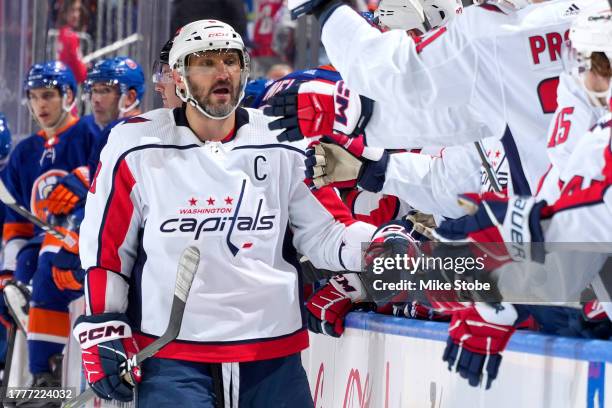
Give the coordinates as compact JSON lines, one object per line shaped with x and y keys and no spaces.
{"x":216,"y":35}
{"x":102,"y":332}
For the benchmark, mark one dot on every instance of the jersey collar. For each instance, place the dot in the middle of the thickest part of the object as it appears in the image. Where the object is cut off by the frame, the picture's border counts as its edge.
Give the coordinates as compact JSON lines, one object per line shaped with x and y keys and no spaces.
{"x":242,"y":118}
{"x":61,"y":130}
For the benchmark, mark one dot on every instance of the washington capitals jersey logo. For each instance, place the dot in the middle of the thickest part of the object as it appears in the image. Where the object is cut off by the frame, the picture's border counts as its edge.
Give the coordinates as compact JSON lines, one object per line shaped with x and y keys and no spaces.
{"x":227,"y":216}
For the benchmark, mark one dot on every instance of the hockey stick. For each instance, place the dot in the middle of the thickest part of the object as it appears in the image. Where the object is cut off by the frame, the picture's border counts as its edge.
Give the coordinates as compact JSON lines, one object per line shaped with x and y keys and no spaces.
{"x":7,"y":198}
{"x":11,"y":337}
{"x":187,"y":268}
{"x":487,"y":166}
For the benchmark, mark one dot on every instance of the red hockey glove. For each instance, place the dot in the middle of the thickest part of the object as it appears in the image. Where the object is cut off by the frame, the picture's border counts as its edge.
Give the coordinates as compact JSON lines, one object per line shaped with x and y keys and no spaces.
{"x":343,"y":162}
{"x":494,"y":221}
{"x":107,"y":345}
{"x":593,"y":311}
{"x":596,"y":322}
{"x":477,"y":336}
{"x":328,"y":306}
{"x":69,"y":192}
{"x":318,"y":108}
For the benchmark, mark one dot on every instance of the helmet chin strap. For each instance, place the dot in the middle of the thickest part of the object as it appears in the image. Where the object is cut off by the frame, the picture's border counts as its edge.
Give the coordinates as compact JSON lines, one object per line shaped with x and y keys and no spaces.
{"x":123,"y":110}
{"x":186,"y":96}
{"x":597,"y":99}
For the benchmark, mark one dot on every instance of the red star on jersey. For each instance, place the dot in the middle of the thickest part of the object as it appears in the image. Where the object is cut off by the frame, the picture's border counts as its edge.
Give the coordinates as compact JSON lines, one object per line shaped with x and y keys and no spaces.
{"x":228,"y":200}
{"x":193,"y":201}
{"x":210,"y":201}
{"x":497,"y":153}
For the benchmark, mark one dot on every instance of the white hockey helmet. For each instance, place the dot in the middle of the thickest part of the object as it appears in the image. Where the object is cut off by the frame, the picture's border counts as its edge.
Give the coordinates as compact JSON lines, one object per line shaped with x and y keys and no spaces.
{"x":206,"y":35}
{"x":506,"y":5}
{"x":591,"y":33}
{"x":422,"y":15}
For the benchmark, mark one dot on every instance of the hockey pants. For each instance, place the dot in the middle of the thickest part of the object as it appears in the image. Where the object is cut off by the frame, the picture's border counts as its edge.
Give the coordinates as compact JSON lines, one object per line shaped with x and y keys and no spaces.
{"x":49,"y":321}
{"x":277,"y":383}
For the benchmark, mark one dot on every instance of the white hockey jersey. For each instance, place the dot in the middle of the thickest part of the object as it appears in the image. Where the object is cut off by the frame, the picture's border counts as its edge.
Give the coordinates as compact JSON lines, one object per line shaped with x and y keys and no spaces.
{"x":574,"y":117}
{"x":504,"y":67}
{"x":243,"y":202}
{"x":431,"y":179}
{"x":583,"y":212}
{"x":579,"y":234}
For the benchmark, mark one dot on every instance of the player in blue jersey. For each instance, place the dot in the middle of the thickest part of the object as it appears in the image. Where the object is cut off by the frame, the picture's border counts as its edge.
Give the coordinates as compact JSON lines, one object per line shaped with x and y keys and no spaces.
{"x":37,"y":164}
{"x":108,"y":98}
{"x":116,"y":86}
{"x":123,"y":78}
{"x":116,"y":89}
{"x":6,"y":141}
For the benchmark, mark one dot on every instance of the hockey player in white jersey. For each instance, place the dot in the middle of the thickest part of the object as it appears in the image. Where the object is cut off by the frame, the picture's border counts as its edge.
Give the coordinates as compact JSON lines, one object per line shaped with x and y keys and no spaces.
{"x":501,"y":63}
{"x":208,"y":174}
{"x":428,"y":180}
{"x":581,"y":213}
{"x":320,"y":107}
{"x":578,"y":180}
{"x":581,"y":99}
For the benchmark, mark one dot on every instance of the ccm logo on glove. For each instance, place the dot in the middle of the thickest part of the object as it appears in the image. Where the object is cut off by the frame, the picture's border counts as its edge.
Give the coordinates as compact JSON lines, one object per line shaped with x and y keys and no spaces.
{"x":92,"y":334}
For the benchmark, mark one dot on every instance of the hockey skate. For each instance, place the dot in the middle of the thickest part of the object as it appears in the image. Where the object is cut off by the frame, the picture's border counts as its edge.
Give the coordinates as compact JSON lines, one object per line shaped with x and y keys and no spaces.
{"x":52,"y":379}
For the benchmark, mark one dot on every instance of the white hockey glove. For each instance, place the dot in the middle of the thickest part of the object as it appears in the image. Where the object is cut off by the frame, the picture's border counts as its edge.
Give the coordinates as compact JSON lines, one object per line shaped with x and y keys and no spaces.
{"x":343,"y":162}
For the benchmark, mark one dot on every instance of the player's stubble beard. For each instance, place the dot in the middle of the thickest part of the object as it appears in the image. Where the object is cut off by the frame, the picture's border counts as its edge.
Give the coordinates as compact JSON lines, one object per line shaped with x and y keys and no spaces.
{"x":204,"y":98}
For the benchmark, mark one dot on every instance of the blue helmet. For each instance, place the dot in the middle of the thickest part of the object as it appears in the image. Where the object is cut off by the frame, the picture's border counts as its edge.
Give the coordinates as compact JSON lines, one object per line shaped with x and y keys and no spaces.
{"x":50,"y":74}
{"x":121,"y":71}
{"x":5,"y":137}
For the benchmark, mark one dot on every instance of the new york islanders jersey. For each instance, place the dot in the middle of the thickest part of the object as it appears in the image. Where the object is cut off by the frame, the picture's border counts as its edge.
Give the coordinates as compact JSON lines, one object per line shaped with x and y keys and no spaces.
{"x":243,"y":202}
{"x":34,"y":168}
{"x":92,"y":125}
{"x":503,"y":67}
